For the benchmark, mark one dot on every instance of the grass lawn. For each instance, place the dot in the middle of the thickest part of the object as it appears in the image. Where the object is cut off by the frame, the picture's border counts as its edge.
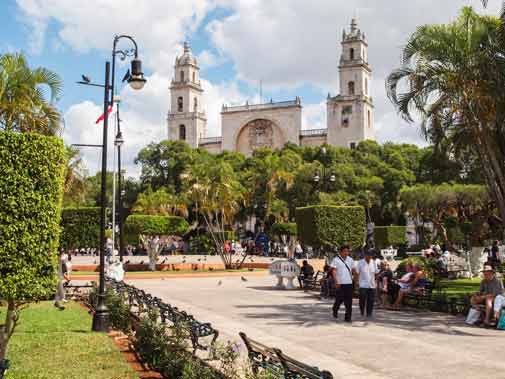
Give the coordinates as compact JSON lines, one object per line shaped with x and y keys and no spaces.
{"x":460,"y":287}
{"x":53,"y":344}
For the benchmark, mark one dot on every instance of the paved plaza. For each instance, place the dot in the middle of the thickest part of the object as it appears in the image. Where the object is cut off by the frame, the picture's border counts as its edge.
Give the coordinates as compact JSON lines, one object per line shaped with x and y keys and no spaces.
{"x":394,"y":345}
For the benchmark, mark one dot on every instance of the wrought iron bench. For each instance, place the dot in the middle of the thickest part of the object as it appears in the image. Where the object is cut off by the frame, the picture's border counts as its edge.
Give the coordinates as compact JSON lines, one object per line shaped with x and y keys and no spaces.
{"x":313,"y":283}
{"x":277,"y":364}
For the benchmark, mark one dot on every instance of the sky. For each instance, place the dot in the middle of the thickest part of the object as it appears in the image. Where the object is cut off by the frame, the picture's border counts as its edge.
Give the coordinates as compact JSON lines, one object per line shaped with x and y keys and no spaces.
{"x":291,"y":46}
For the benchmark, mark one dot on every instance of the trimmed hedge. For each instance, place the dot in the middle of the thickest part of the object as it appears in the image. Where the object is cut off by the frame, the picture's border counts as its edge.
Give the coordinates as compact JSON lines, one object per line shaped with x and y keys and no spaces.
{"x":153,"y":225}
{"x":284,"y":229}
{"x":322,"y":225}
{"x":385,"y":236}
{"x":80,"y":227}
{"x":32,"y":168}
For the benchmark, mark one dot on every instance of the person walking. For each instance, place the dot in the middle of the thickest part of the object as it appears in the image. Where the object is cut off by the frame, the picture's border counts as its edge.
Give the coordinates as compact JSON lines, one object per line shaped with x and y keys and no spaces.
{"x":367,"y":272}
{"x":59,"y":297}
{"x":344,"y":271}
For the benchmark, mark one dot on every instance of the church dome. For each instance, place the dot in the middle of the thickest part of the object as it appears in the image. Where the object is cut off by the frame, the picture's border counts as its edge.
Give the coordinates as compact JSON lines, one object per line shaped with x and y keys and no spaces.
{"x":187,"y":57}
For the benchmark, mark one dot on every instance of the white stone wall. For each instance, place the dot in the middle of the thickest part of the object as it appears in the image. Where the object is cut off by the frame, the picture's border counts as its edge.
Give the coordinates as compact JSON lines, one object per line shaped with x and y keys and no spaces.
{"x":313,"y":140}
{"x":287,"y":119}
{"x":213,"y":148}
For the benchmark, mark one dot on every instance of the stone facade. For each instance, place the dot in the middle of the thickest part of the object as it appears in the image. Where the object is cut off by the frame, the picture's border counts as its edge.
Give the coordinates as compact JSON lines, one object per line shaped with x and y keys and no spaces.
{"x":350,"y":116}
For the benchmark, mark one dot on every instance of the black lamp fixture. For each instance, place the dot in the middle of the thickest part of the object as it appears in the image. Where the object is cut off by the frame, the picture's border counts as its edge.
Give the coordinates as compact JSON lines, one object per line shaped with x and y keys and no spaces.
{"x":136,"y":79}
{"x":323,"y":179}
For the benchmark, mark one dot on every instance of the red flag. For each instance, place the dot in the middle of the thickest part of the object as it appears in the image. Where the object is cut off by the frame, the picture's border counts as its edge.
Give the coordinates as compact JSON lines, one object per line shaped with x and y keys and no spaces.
{"x":102,"y":115}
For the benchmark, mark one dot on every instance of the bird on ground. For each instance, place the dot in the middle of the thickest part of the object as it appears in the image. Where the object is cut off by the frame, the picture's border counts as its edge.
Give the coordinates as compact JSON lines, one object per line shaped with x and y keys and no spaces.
{"x":94,"y":261}
{"x":243,"y":279}
{"x":141,"y":262}
{"x":195,"y":268}
{"x":183,"y":261}
{"x":183,"y":257}
{"x":220,"y":282}
{"x":211,"y":268}
{"x":199,"y":259}
{"x":251,"y":269}
{"x":127,"y":262}
{"x":164,"y":260}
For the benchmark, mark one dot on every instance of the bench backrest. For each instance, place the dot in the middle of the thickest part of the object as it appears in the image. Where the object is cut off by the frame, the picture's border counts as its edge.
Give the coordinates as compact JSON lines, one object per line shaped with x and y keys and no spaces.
{"x":295,"y":369}
{"x":262,"y":355}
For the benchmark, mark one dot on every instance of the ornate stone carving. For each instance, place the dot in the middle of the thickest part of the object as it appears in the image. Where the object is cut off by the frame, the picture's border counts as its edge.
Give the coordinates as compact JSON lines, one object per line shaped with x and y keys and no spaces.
{"x":260,"y":133}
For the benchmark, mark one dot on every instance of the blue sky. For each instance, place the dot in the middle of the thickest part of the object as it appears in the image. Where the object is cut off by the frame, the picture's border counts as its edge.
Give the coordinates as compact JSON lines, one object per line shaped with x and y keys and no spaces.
{"x":292,"y":46}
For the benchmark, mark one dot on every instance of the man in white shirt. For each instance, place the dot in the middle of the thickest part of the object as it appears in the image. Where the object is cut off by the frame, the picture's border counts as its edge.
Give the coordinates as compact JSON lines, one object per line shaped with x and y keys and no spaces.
{"x":367,"y":271}
{"x":344,"y":271}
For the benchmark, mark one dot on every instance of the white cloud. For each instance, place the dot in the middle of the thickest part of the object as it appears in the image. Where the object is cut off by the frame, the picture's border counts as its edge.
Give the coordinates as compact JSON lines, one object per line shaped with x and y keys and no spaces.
{"x":314,"y":116}
{"x":158,"y":25}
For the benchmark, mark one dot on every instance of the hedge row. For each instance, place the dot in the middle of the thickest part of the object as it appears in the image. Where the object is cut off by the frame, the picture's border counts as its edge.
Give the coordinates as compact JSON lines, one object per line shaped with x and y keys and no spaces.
{"x":80,"y":227}
{"x":334,"y":226}
{"x":385,"y":236}
{"x":32,"y":170}
{"x":136,"y":225}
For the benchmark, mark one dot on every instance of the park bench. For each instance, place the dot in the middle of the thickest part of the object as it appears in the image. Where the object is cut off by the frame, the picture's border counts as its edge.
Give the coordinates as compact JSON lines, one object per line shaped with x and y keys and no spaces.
{"x":313,"y":283}
{"x":276,"y":364}
{"x":421,"y":296}
{"x":140,"y":302}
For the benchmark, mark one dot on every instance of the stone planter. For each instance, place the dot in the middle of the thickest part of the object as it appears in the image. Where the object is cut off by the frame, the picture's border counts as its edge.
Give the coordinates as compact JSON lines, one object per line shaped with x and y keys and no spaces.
{"x":4,"y":365}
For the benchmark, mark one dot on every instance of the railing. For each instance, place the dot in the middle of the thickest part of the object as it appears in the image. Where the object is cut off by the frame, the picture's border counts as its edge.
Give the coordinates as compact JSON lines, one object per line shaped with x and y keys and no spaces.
{"x":253,"y":107}
{"x":313,"y":132}
{"x":183,"y":115}
{"x":210,"y":140}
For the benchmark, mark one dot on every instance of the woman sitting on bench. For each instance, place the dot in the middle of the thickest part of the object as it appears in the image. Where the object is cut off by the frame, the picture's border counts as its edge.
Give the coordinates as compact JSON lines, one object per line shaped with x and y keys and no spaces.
{"x":413,"y":280}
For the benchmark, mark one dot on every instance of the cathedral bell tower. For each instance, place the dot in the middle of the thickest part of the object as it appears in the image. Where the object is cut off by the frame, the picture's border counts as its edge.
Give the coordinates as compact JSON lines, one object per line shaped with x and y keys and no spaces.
{"x":350,"y":114}
{"x":186,"y":118}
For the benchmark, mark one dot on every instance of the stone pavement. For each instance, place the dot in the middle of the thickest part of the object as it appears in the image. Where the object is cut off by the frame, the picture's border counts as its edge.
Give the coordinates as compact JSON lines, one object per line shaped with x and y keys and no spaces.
{"x":395,"y":345}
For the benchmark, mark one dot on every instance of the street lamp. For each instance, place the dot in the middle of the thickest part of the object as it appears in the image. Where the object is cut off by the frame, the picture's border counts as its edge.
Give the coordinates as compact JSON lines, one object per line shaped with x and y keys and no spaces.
{"x":136,"y":80}
{"x":324,"y":179}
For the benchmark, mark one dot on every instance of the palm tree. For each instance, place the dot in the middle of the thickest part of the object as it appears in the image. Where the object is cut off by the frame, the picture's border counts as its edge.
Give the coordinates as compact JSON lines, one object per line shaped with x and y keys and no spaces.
{"x":452,"y":76}
{"x":217,"y":197}
{"x":75,"y":186}
{"x":161,"y":203}
{"x":24,"y":106}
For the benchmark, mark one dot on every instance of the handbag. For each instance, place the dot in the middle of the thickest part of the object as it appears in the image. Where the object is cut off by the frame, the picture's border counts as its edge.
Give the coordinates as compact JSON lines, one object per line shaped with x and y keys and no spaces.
{"x":501,"y":321}
{"x":473,"y":316}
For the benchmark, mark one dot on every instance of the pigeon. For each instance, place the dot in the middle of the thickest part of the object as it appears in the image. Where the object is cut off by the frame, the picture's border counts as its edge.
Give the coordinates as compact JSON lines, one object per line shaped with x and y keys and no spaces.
{"x":183,"y":261}
{"x":199,"y":259}
{"x":243,"y":279}
{"x":164,"y":260}
{"x":211,"y":268}
{"x":141,"y":262}
{"x":220,"y":282}
{"x":177,"y":269}
{"x":127,"y":262}
{"x":85,"y":78}
{"x":94,"y":261}
{"x":183,"y":257}
{"x":251,"y":269}
{"x":195,"y":268}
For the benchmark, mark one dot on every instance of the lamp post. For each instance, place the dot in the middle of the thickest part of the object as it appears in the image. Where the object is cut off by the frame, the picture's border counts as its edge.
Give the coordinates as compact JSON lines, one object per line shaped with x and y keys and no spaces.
{"x":136,"y":79}
{"x":323,"y":181}
{"x":118,"y":142}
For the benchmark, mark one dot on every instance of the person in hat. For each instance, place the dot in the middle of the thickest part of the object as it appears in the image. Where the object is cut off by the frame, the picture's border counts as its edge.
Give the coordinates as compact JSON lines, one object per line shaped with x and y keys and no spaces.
{"x":367,"y":271}
{"x":490,"y":287}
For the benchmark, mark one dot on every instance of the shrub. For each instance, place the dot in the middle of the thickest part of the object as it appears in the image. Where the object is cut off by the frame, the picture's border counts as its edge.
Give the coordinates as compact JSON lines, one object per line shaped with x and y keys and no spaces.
{"x":32,"y":170}
{"x":202,"y":244}
{"x":321,"y":225}
{"x":80,"y":227}
{"x":284,"y":229}
{"x":385,"y":236}
{"x":153,"y":225}
{"x":31,"y":189}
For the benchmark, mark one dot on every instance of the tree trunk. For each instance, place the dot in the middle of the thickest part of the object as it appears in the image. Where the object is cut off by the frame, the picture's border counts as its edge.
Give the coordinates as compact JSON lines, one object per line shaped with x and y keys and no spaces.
{"x":7,"y":329}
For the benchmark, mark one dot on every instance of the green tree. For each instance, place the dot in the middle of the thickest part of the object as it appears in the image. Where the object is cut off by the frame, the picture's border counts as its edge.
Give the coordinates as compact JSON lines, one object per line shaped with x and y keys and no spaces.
{"x":453,"y":77}
{"x":24,"y":106}
{"x":161,"y":203}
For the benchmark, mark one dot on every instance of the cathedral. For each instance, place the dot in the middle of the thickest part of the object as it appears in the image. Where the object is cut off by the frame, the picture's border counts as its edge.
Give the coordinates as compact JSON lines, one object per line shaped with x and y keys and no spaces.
{"x":246,"y":127}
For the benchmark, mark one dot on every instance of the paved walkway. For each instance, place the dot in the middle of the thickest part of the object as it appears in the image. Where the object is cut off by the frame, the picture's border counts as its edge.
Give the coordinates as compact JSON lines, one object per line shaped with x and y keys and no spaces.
{"x":396,"y":345}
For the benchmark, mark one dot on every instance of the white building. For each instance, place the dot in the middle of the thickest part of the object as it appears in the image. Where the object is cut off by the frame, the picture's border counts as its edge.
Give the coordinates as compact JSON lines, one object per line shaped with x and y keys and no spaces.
{"x":249,"y":126}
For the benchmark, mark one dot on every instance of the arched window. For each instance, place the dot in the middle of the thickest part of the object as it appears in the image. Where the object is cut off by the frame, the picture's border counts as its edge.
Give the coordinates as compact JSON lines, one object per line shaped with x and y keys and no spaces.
{"x":194,"y":77}
{"x":180,"y":104}
{"x":351,"y":54}
{"x":369,"y":119}
{"x":351,"y":88}
{"x":182,"y":76}
{"x":182,"y":132}
{"x":195,"y":104}
{"x":366,"y":86}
